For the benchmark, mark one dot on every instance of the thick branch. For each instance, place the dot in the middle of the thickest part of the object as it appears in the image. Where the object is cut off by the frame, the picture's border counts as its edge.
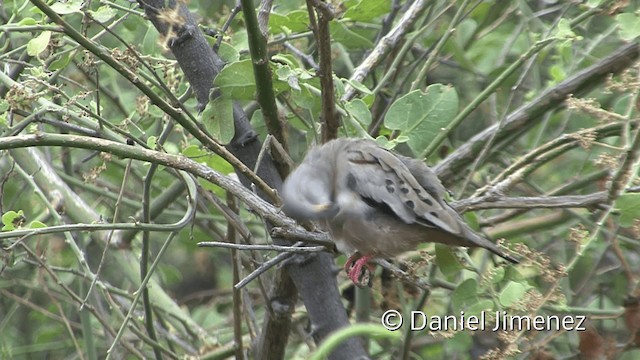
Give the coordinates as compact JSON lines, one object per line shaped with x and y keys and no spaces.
{"x":330,"y":121}
{"x":311,"y":274}
{"x":262,"y":73}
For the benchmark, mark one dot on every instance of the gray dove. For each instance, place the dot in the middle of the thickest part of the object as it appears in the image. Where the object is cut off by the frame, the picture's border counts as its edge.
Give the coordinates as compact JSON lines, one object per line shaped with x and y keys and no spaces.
{"x":375,"y":203}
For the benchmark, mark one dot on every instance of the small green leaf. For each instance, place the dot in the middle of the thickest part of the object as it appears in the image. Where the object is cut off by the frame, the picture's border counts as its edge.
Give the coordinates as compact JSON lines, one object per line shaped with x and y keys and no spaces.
{"x":286,"y":74}
{"x":564,"y":31}
{"x":476,"y":309}
{"x":421,"y":116}
{"x":236,"y":81}
{"x":465,"y":294}
{"x":497,"y":275}
{"x":211,"y":160}
{"x":150,"y":41}
{"x":472,"y":220}
{"x":37,"y":225}
{"x":342,"y":34}
{"x":103,"y":14}
{"x":294,"y":21}
{"x":152,"y":142}
{"x":4,"y":106}
{"x":629,"y":207}
{"x":557,"y":73}
{"x":384,"y":142}
{"x":12,"y":220}
{"x":60,"y":62}
{"x":447,"y":262}
{"x":359,"y":86}
{"x":67,"y":7}
{"x":359,"y":111}
{"x":512,"y":293}
{"x":629,"y":26}
{"x":228,"y":53}
{"x":39,"y":43}
{"x":367,"y":10}
{"x":27,"y":22}
{"x":217,"y":117}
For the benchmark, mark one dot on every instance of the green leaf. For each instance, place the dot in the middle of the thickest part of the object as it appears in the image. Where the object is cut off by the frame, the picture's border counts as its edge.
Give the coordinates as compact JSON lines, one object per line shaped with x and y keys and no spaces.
{"x":228,"y":53}
{"x":27,"y":22}
{"x":563,"y":30}
{"x":152,"y":142}
{"x":629,"y":26}
{"x":4,"y":106}
{"x":67,"y":7}
{"x":464,"y":32}
{"x":36,"y":225}
{"x":367,"y":10}
{"x":497,"y":275}
{"x":341,"y":33}
{"x":150,"y":41}
{"x":557,"y":73}
{"x":466,"y":294}
{"x":629,"y":207}
{"x":447,"y":262}
{"x":472,"y":220}
{"x":477,"y":308}
{"x":236,"y":81}
{"x":359,"y":86}
{"x":286,"y":74}
{"x":385,"y":143}
{"x":358,"y":110}
{"x":211,"y":160}
{"x":60,"y":63}
{"x":39,"y":43}
{"x":12,"y":220}
{"x":294,"y":21}
{"x":512,"y":293}
{"x":103,"y":14}
{"x":421,"y":116}
{"x":217,"y":117}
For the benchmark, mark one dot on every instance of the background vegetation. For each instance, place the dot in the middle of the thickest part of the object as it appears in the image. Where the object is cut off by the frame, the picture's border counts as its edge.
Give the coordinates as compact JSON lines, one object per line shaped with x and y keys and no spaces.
{"x":112,"y":171}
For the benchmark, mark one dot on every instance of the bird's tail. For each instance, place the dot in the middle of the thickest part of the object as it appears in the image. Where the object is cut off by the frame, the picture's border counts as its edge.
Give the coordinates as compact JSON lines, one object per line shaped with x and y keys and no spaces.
{"x":480,"y":241}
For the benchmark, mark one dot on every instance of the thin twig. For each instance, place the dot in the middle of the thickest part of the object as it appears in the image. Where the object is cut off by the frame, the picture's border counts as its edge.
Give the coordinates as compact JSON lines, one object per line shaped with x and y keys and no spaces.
{"x":531,"y":202}
{"x":298,"y":248}
{"x":234,"y":11}
{"x":263,"y":268}
{"x":232,"y":236}
{"x":305,"y":58}
{"x":402,"y":275}
{"x":388,"y":42}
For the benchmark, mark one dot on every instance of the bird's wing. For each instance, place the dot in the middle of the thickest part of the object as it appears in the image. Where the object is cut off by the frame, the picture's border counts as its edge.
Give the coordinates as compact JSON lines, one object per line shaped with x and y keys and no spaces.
{"x":378,"y":174}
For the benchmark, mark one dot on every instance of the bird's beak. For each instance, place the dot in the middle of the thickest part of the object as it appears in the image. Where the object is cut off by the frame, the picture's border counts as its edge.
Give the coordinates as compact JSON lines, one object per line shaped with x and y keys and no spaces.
{"x":324,"y":211}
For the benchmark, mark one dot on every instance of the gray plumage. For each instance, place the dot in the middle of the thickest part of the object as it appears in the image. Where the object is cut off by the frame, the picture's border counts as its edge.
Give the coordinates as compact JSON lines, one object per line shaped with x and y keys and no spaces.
{"x":374,"y":201}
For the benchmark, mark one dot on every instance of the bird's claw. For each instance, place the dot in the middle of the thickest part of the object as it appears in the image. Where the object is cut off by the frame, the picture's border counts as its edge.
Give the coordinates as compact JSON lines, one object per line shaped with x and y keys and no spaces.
{"x":359,"y":270}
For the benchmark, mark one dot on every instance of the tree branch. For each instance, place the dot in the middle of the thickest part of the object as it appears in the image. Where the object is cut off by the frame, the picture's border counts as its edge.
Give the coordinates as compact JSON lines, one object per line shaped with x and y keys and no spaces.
{"x":529,"y":114}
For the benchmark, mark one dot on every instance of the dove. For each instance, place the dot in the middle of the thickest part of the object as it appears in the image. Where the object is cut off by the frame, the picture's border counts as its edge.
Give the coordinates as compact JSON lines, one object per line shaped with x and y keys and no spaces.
{"x":374,"y":203}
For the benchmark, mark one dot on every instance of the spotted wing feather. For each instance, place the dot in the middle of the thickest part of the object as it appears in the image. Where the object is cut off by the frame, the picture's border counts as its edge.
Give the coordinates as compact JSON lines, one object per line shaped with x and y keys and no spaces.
{"x":382,"y":177}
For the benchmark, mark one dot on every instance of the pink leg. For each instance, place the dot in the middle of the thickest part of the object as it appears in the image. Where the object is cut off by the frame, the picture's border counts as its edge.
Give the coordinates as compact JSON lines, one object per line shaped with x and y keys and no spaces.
{"x":348,"y":265}
{"x":359,"y":270}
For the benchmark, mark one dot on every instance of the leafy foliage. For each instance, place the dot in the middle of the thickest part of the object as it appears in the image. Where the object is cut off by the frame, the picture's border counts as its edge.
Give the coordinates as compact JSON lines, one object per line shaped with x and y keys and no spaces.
{"x":480,"y":88}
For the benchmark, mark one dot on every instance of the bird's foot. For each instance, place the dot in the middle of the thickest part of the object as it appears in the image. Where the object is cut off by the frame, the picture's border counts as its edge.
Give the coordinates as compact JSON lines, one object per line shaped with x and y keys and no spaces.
{"x":359,"y":270}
